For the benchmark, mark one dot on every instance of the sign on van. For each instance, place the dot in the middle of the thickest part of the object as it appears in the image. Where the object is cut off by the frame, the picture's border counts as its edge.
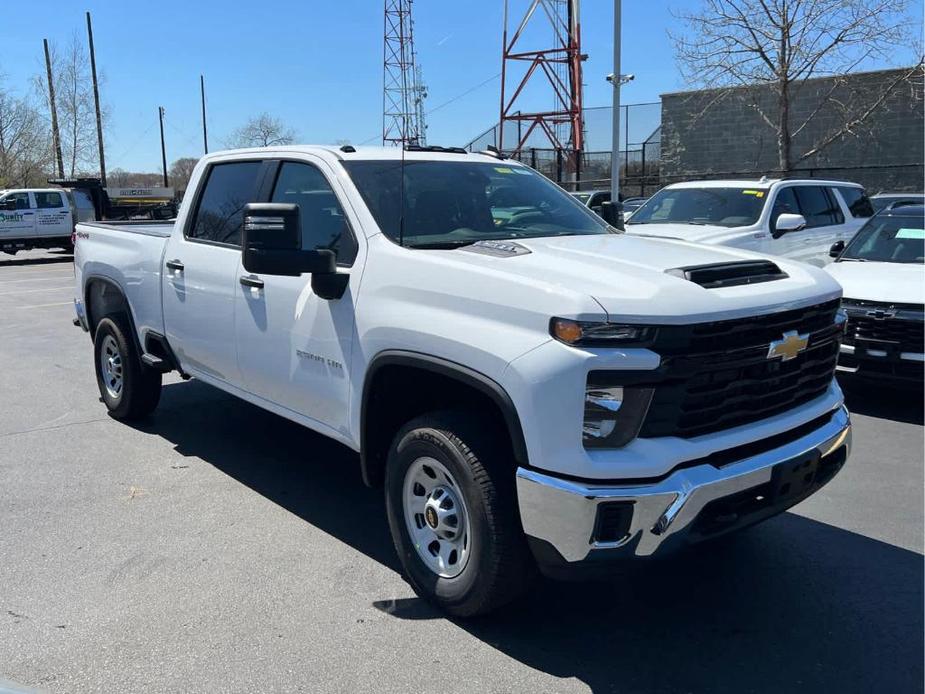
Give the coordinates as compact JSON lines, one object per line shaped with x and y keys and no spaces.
{"x":143,"y":193}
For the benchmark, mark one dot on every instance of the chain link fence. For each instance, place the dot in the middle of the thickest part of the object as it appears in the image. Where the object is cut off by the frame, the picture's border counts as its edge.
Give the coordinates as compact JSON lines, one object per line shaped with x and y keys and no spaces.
{"x":640,"y":150}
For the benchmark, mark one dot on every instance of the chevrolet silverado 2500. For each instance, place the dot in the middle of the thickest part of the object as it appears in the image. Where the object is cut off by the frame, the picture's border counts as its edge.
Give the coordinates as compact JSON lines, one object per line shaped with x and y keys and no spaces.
{"x":531,"y":388}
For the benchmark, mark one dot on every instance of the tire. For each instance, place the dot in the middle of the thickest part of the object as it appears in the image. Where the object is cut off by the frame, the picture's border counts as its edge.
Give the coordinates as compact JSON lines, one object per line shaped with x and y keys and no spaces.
{"x":493,"y":565}
{"x":128,"y":388}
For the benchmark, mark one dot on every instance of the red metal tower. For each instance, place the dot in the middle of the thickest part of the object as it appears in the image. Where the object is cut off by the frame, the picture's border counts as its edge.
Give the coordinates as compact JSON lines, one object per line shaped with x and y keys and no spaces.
{"x":560,"y":64}
{"x":402,"y":89}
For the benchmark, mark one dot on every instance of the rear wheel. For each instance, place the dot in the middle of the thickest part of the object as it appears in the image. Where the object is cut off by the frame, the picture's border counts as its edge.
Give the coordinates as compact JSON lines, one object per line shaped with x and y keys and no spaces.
{"x":453,"y":514}
{"x":128,"y":388}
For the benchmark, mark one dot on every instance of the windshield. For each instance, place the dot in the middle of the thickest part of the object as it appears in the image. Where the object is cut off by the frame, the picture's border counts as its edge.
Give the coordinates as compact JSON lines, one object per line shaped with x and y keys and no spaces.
{"x":449,"y":204}
{"x":725,"y":207}
{"x":889,"y":240}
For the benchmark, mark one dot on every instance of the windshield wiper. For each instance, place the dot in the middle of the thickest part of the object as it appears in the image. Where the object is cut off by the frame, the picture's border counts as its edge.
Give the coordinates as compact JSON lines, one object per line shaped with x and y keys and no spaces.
{"x":438,"y":245}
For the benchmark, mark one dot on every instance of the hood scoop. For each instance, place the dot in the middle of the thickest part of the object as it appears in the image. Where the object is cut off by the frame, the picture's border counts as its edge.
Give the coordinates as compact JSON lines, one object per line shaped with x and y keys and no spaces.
{"x":718,"y":275}
{"x":497,"y":248}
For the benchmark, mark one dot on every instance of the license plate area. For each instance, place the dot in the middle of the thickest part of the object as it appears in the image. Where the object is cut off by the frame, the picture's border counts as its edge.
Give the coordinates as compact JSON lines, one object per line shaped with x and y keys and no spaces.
{"x":794,"y":478}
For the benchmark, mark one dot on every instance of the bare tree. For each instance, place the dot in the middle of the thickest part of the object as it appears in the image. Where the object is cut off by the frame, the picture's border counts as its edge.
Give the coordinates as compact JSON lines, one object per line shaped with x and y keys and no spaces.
{"x":25,"y":147}
{"x":261,"y":131}
{"x":76,"y":112}
{"x":777,"y":45}
{"x":181,"y":171}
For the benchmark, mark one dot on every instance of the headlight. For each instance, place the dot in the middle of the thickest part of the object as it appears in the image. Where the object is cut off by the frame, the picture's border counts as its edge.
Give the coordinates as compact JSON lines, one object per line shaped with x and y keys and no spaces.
{"x":613,"y":413}
{"x":599,"y":334}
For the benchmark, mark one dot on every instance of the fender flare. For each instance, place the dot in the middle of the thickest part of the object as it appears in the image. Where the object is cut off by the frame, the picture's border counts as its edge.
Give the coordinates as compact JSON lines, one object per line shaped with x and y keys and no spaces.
{"x":102,"y":279}
{"x":450,"y":369}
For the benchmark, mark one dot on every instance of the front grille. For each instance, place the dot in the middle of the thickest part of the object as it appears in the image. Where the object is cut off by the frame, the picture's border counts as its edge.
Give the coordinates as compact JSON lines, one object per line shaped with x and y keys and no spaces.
{"x":908,"y":334}
{"x":716,"y":376}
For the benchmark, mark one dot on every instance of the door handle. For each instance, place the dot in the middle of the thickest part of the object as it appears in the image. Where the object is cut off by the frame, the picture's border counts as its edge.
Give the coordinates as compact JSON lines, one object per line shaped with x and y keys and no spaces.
{"x":254,"y":282}
{"x":174,"y":265}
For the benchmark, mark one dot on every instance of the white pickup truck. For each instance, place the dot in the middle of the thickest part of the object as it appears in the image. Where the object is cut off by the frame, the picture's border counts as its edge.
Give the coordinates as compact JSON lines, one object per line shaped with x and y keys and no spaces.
{"x":792,"y":218}
{"x":532,"y":388}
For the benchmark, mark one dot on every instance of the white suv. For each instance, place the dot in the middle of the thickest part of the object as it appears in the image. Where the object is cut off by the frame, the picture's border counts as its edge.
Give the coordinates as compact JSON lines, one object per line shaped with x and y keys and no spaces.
{"x":797,"y":219}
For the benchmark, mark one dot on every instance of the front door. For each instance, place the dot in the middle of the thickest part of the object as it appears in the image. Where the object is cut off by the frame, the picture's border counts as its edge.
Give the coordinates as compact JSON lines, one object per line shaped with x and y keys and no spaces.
{"x":200,"y":272}
{"x":18,"y":223}
{"x":52,"y":217}
{"x":823,"y":218}
{"x":294,"y":347}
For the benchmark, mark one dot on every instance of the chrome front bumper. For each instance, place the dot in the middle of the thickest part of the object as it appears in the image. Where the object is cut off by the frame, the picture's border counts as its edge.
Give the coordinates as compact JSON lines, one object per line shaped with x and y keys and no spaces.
{"x":564,"y":513}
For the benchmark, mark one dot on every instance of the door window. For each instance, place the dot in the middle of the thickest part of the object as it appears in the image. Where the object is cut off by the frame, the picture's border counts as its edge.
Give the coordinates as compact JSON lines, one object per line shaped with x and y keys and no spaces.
{"x":22,"y":200}
{"x":324,"y":224}
{"x":818,"y":206}
{"x":857,"y":201}
{"x":49,"y":200}
{"x":220,"y":212}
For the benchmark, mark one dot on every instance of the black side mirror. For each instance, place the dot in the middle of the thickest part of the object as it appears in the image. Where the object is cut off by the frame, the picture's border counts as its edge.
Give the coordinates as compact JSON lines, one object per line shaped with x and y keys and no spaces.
{"x":836,"y":249}
{"x":272,"y":245}
{"x":8,"y":205}
{"x":612,"y":213}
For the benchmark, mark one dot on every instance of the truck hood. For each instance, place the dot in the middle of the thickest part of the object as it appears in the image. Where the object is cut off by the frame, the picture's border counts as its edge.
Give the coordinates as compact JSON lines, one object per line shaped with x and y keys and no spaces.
{"x":899,"y":283}
{"x":694,"y":233}
{"x":627,"y":276}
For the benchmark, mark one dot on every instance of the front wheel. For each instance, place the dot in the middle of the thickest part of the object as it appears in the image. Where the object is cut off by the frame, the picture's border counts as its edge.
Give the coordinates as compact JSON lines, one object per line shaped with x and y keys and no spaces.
{"x":128,"y":388}
{"x":452,"y":510}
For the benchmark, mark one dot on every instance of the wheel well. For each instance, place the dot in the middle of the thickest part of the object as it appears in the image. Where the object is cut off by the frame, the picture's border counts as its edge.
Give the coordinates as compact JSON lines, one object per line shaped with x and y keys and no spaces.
{"x":404,"y":387}
{"x":102,"y":299}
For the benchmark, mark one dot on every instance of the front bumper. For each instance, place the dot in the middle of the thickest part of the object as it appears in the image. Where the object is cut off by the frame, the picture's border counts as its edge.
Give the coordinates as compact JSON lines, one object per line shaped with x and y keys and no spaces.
{"x":563,"y":518}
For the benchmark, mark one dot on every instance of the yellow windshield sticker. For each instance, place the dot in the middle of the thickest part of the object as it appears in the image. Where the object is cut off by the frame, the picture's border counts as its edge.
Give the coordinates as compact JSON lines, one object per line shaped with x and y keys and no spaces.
{"x":504,"y":169}
{"x":756,"y":193}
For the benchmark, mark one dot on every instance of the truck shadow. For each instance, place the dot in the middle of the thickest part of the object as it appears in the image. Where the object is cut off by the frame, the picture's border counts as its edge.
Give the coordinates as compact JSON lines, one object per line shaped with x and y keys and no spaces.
{"x":884,"y":401}
{"x":791,"y":605}
{"x":13,"y":261}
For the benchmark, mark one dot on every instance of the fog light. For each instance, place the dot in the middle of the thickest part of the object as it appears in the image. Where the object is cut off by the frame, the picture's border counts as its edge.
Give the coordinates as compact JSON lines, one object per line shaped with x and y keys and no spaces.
{"x":601,"y":404}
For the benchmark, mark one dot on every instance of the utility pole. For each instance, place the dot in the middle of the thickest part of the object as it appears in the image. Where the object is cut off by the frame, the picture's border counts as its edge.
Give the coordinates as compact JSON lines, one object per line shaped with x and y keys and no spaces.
{"x":96,"y":99}
{"x":55,"y":135}
{"x":205,"y":134}
{"x":160,"y":114}
{"x":615,"y":154}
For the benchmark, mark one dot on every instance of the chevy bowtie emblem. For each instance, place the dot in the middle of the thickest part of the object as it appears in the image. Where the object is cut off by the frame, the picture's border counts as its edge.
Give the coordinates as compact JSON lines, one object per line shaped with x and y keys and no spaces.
{"x":880,"y":314}
{"x":789,"y":346}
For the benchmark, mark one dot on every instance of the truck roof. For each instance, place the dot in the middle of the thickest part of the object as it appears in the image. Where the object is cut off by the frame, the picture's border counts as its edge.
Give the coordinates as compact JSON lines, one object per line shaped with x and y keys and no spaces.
{"x":30,"y":190}
{"x":759,"y":183}
{"x":365,"y":153}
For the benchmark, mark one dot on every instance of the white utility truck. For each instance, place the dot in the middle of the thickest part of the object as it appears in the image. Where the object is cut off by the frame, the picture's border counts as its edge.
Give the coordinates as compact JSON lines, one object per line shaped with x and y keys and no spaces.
{"x":36,"y":218}
{"x":882,"y":273}
{"x":792,"y":218}
{"x":532,"y":388}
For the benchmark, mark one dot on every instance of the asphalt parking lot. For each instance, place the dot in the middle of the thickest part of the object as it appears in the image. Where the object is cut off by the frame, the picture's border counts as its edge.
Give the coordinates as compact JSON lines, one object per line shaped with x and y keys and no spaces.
{"x":218,"y":547}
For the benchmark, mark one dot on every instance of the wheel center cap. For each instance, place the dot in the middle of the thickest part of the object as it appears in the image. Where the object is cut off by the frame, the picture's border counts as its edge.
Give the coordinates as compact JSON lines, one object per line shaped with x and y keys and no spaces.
{"x":430,"y":516}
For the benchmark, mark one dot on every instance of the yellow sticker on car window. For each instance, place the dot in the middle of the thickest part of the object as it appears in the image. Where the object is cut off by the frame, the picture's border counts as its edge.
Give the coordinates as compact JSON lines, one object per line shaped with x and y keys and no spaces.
{"x":504,"y":169}
{"x":756,"y":193}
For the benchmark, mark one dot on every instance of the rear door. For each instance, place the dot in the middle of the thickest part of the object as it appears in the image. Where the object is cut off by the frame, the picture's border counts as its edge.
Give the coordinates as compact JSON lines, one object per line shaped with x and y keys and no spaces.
{"x":52,"y":214}
{"x":200,"y":271}
{"x":18,"y":223}
{"x":857,"y":208}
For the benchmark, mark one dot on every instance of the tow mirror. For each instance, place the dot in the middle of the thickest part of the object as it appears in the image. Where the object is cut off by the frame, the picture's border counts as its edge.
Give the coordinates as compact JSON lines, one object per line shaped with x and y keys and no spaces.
{"x":836,"y":249}
{"x":788,"y":222}
{"x":272,"y":245}
{"x":612,"y":213}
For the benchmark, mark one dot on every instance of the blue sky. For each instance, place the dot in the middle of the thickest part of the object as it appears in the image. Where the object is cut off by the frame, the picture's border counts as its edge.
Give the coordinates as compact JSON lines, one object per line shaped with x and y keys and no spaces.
{"x":315,"y":64}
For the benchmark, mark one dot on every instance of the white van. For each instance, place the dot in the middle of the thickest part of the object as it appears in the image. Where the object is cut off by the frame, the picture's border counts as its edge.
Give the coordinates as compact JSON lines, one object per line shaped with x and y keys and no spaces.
{"x":35,"y":218}
{"x":793,"y":218}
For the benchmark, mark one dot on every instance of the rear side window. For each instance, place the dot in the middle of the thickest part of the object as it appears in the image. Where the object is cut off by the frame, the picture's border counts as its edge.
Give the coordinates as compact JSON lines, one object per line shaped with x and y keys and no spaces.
{"x":49,"y":200}
{"x":818,"y":206}
{"x":857,"y":201}
{"x":324,"y":224}
{"x":228,"y":189}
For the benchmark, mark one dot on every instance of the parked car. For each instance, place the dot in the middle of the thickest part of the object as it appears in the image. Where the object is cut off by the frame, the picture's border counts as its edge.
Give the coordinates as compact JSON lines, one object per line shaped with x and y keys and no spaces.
{"x":798,"y":219}
{"x":35,"y":218}
{"x":532,"y":389}
{"x":882,"y":272}
{"x":630,"y":205}
{"x":881,"y":201}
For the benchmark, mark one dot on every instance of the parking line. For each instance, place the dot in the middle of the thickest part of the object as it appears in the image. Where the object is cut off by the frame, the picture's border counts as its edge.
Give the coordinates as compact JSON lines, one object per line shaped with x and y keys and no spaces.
{"x":50,"y":278}
{"x":61,"y":303}
{"x":31,"y":291}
